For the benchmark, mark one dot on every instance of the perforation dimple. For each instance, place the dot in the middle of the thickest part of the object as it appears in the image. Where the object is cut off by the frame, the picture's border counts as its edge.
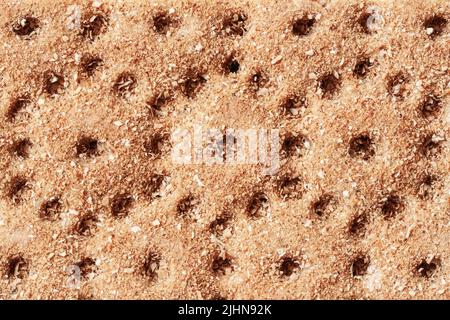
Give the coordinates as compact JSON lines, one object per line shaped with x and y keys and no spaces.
{"x":293,"y":145}
{"x":90,"y":63}
{"x":54,"y":82}
{"x":358,"y":224}
{"x":86,"y":146}
{"x":25,"y":26}
{"x":51,"y":209}
{"x":21,"y":147}
{"x":435,"y":25}
{"x":121,"y":204}
{"x":359,"y":266}
{"x":234,"y":23}
{"x":322,"y":207}
{"x":151,"y":264}
{"x":362,"y":68}
{"x":392,"y":205}
{"x":86,"y":225}
{"x":93,"y":25}
{"x":87,"y":267}
{"x":288,"y":265}
{"x":303,"y":26}
{"x":16,"y":106}
{"x":16,"y":187}
{"x":162,"y":22}
{"x":194,"y":81}
{"x":361,"y":146}
{"x":186,"y":206}
{"x":427,"y":268}
{"x":431,"y":145}
{"x":258,"y":205}
{"x":293,"y":105}
{"x":17,"y":267}
{"x":430,"y":106}
{"x":221,"y":263}
{"x":290,"y":187}
{"x":125,"y":84}
{"x":329,"y":85}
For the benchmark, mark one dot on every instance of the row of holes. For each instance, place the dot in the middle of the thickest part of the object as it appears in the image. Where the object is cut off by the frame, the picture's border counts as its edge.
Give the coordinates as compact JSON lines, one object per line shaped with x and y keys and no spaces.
{"x":233,"y":24}
{"x":17,"y":266}
{"x":292,"y":105}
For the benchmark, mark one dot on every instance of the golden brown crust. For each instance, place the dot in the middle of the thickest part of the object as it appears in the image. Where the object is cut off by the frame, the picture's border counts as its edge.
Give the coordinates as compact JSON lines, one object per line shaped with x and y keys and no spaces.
{"x":357,"y":81}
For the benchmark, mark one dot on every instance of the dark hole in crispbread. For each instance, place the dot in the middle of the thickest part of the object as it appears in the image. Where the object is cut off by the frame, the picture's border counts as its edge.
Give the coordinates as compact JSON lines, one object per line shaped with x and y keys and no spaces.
{"x":152,"y":185}
{"x":287,"y":265}
{"x":293,"y":105}
{"x":93,"y":25}
{"x":362,"y":21}
{"x":323,"y":205}
{"x":186,"y":206}
{"x":430,"y":106}
{"x":220,"y":223}
{"x":437,"y":23}
{"x":163,"y":21}
{"x":426,"y":186}
{"x":361,"y":146}
{"x":431,"y":145}
{"x":121,"y":204}
{"x":151,"y":265}
{"x":155,"y":145}
{"x":86,"y":225}
{"x":428,"y":269}
{"x":362,"y":68}
{"x":303,"y":26}
{"x":258,"y":80}
{"x":359,"y":266}
{"x":258,"y":205}
{"x":293,"y":145}
{"x":358,"y":224}
{"x":221,"y":263}
{"x":16,"y":106}
{"x":392,"y":205}
{"x":25,"y":26}
{"x":329,"y":84}
{"x":87,"y":266}
{"x":51,"y":209}
{"x":125,"y":84}
{"x":192,"y":84}
{"x":17,"y":267}
{"x":53,"y":82}
{"x":86,"y":146}
{"x":396,"y":85}
{"x":158,"y":103}
{"x":89,"y":64}
{"x":289,"y":187}
{"x":16,"y":187}
{"x":234,"y":23}
{"x":230,"y":65}
{"x":21,"y":147}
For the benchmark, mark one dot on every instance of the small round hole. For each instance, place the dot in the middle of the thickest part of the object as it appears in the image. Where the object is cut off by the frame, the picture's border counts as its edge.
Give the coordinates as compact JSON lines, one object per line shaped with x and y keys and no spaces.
{"x":125,"y":84}
{"x":391,"y":206}
{"x":259,"y":205}
{"x":93,"y":25}
{"x":303,"y":26}
{"x":293,"y":105}
{"x":53,"y":82}
{"x":17,"y":106}
{"x":435,"y":25}
{"x":16,"y":188}
{"x":358,"y":224}
{"x":86,"y":225}
{"x":427,"y":268}
{"x":293,"y":145}
{"x":17,"y":267}
{"x":192,"y":84}
{"x":151,"y":264}
{"x":362,"y":68}
{"x":290,"y":187}
{"x":87,"y":267}
{"x":25,"y":26}
{"x":86,"y":146}
{"x":230,"y":65}
{"x":186,"y":207}
{"x":288,"y":265}
{"x":162,"y":22}
{"x":121,"y":204}
{"x":430,"y":106}
{"x":322,"y":207}
{"x":329,"y":84}
{"x":234,"y":24}
{"x":361,"y":146}
{"x":21,"y":147}
{"x":89,"y":64}
{"x":359,"y":266}
{"x":221,"y":263}
{"x":157,"y":105}
{"x":51,"y":209}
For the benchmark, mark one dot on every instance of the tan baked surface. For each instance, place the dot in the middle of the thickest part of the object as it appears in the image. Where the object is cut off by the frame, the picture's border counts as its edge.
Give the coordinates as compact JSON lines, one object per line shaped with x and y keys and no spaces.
{"x":35,"y":252}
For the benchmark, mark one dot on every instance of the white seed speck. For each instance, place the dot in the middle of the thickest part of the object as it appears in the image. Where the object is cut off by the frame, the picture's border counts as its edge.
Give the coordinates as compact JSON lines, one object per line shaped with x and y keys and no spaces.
{"x":345,"y":194}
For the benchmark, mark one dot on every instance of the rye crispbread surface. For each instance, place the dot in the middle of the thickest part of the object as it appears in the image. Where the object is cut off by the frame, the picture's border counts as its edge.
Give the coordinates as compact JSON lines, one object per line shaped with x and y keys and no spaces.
{"x":361,"y":211}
